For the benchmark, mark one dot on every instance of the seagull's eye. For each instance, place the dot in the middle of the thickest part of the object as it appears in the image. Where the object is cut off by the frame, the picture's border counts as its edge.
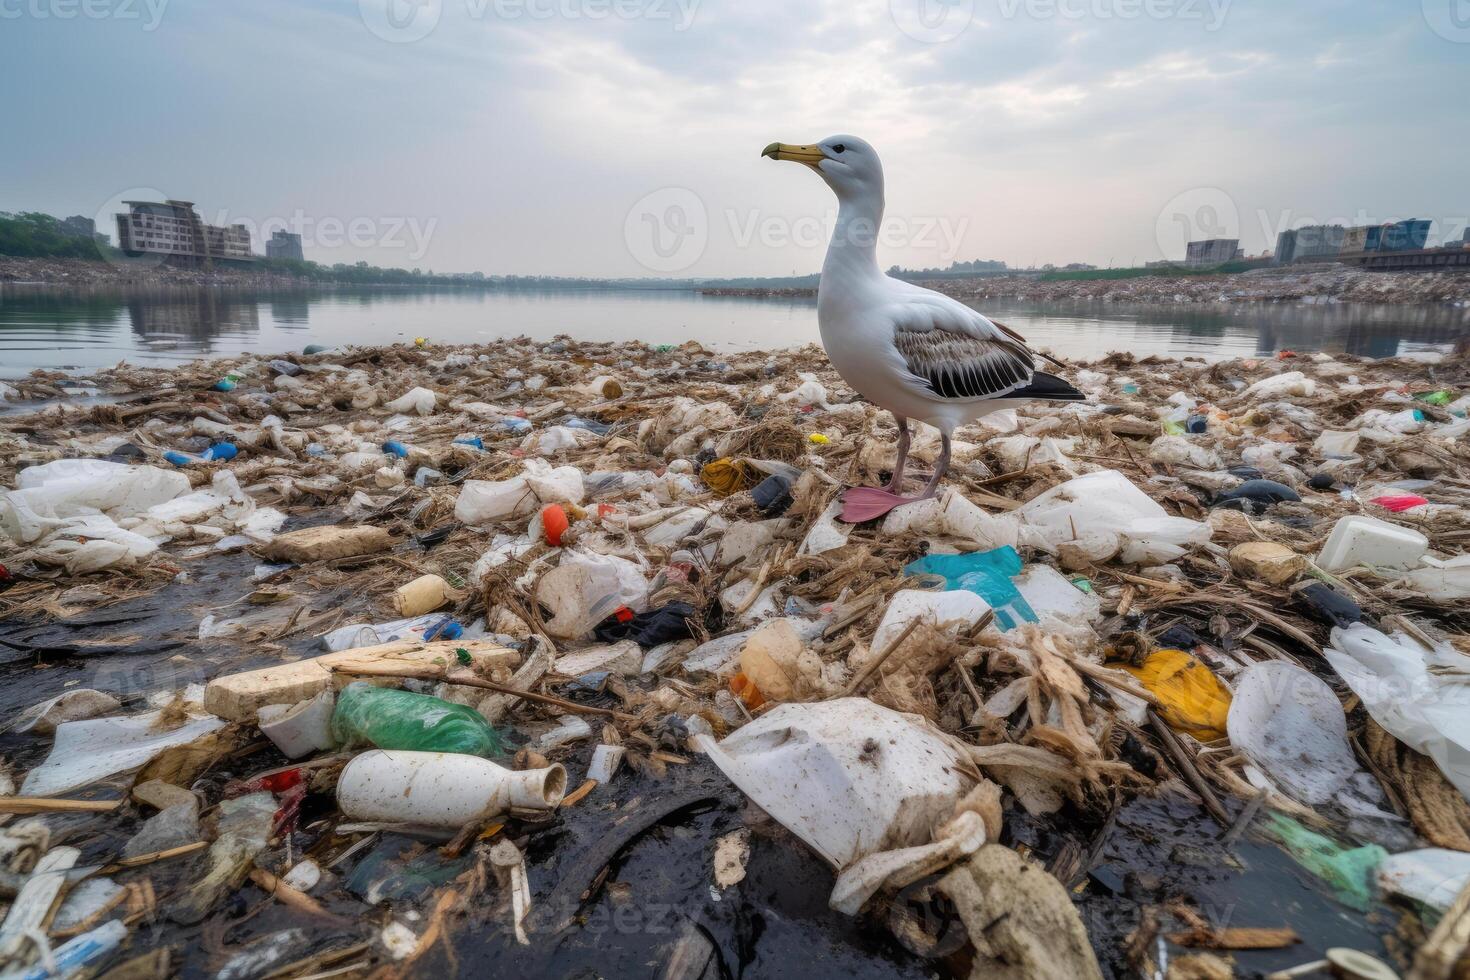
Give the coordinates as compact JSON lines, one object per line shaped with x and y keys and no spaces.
{"x":838,"y":148}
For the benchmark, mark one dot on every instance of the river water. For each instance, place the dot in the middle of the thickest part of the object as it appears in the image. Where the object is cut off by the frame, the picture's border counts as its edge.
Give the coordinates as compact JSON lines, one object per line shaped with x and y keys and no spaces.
{"x":85,"y":329}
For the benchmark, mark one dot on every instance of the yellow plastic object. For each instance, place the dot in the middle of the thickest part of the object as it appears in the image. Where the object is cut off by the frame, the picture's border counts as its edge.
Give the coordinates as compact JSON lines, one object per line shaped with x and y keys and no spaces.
{"x":819,"y":439}
{"x":1194,"y":700}
{"x":726,"y":476}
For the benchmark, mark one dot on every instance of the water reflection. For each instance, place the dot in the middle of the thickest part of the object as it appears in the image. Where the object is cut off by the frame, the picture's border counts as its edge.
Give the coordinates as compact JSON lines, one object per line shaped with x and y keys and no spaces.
{"x":49,"y":327}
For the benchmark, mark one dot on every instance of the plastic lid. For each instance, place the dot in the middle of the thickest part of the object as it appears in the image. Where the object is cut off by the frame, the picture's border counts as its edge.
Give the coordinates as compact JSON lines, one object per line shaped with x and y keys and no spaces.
{"x":1358,"y":965}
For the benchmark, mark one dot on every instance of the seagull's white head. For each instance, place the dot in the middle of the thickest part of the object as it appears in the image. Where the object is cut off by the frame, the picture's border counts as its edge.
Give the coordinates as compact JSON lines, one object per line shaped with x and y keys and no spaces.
{"x":849,"y":165}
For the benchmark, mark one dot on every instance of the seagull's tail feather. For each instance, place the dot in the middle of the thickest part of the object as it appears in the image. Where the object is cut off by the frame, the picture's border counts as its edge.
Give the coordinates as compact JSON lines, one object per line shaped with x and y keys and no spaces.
{"x":1048,"y":387}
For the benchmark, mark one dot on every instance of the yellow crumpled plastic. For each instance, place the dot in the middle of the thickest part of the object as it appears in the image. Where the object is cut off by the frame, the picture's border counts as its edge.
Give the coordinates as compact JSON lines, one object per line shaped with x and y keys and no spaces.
{"x":1194,"y":699}
{"x":726,"y":476}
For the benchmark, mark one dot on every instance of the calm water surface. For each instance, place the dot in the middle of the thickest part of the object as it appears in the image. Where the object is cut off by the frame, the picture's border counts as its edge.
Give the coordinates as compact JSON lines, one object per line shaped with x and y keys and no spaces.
{"x":44,"y":327}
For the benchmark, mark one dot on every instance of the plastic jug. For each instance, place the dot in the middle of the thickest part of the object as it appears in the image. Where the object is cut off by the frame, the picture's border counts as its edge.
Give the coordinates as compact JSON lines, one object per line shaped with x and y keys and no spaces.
{"x":393,"y":719}
{"x":985,"y":573}
{"x":1361,"y":540}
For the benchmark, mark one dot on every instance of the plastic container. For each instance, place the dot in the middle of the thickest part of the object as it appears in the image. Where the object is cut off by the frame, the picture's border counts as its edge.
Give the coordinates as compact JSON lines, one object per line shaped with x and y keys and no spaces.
{"x":554,"y":523}
{"x":220,"y":450}
{"x":988,"y":575}
{"x":1361,"y":540}
{"x":299,"y":729}
{"x":437,"y":789}
{"x":393,"y":719}
{"x":423,"y":595}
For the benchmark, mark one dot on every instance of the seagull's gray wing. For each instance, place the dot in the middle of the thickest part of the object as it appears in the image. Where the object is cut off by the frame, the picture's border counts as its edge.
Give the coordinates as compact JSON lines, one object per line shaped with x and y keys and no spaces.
{"x":954,"y":353}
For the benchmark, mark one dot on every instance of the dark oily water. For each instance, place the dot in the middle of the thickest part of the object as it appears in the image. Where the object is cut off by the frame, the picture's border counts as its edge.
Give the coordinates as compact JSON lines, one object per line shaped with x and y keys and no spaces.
{"x":82,"y":330}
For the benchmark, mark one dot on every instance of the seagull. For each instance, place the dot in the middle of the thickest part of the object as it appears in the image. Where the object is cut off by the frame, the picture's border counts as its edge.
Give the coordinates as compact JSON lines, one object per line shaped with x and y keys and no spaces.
{"x":919,"y":354}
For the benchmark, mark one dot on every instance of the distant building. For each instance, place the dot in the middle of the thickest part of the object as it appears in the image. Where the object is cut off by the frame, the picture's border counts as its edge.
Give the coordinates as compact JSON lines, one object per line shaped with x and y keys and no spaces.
{"x":1398,"y":236}
{"x":1212,"y":251}
{"x":284,"y":245}
{"x":1309,"y":242}
{"x":79,"y":227}
{"x":174,"y":230}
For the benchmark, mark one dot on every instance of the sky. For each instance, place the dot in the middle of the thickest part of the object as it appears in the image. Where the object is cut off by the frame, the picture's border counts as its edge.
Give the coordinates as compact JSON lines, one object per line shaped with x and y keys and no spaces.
{"x":622,"y":138}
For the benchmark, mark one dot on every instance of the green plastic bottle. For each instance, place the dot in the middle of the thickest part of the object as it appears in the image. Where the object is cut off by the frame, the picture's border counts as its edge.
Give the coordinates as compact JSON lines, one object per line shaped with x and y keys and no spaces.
{"x":388,"y":718}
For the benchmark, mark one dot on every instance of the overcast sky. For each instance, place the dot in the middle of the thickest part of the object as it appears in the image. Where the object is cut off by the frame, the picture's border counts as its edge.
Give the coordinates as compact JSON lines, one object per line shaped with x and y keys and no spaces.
{"x":622,"y":137}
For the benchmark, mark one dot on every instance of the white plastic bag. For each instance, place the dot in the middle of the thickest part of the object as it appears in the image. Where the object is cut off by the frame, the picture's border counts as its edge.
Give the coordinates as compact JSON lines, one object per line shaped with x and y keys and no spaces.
{"x":1107,"y":503}
{"x":46,"y":495}
{"x":420,"y":401}
{"x":1421,"y":697}
{"x":1290,"y":725}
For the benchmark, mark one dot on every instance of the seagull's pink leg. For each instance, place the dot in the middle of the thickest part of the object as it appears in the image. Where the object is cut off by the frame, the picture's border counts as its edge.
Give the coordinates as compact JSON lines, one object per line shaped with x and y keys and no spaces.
{"x":869,"y":503}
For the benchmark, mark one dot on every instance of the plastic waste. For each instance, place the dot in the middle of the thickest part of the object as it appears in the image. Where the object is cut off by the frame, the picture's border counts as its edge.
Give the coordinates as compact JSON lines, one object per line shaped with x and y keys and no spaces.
{"x":245,"y":825}
{"x":437,"y":789}
{"x":419,"y":401}
{"x":1106,"y":506}
{"x":1337,"y":443}
{"x":1447,"y":581}
{"x":1432,"y":876}
{"x":1347,"y":871}
{"x":953,"y":610}
{"x":86,"y":751}
{"x":220,"y":450}
{"x":394,"y":719}
{"x":726,"y":476}
{"x":49,"y":494}
{"x":431,"y":627}
{"x":586,"y":589}
{"x":473,"y":441}
{"x":1399,"y":502}
{"x":1362,"y":540}
{"x":1328,"y":606}
{"x":554,"y":524}
{"x":987,"y":574}
{"x":1290,"y":725}
{"x":772,"y":496}
{"x":1260,"y":493}
{"x":651,"y":628}
{"x":172,"y":827}
{"x":79,"y":952}
{"x":588,"y":425}
{"x":514,"y":426}
{"x":1420,"y":696}
{"x":770,"y":668}
{"x":300,"y":729}
{"x":75,"y":705}
{"x":423,"y":595}
{"x":1194,"y":699}
{"x":848,"y":777}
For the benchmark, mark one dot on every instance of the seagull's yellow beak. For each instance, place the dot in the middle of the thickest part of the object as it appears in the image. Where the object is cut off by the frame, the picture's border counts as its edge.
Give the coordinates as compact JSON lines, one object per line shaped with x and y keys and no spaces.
{"x":811,"y":155}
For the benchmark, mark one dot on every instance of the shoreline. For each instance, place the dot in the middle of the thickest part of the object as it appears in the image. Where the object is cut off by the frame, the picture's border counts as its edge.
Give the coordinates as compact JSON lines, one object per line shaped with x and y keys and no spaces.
{"x":1335,"y":285}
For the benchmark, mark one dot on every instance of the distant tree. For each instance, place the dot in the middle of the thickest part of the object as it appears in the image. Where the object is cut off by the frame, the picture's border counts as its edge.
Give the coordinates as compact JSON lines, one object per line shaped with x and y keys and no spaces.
{"x":35,"y":235}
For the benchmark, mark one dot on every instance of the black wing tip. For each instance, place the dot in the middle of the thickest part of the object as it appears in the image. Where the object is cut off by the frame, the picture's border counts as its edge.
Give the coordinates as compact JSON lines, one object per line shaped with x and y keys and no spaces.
{"x":1048,"y":387}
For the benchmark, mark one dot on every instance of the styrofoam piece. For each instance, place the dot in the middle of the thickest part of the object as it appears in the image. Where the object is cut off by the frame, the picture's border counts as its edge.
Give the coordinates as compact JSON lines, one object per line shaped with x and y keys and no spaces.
{"x":1363,"y":540}
{"x":441,"y":789}
{"x":625,"y":657}
{"x":1289,"y":724}
{"x":849,"y":777}
{"x":300,"y":729}
{"x":1431,"y":875}
{"x":1419,"y":696}
{"x":86,"y":751}
{"x":571,"y":729}
{"x":959,"y":608}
